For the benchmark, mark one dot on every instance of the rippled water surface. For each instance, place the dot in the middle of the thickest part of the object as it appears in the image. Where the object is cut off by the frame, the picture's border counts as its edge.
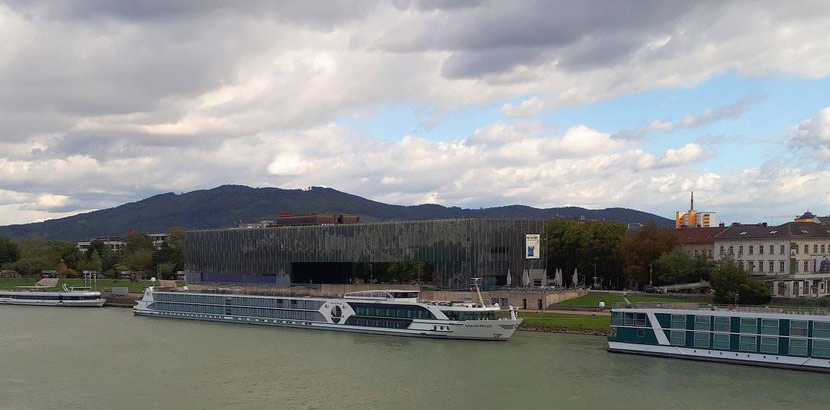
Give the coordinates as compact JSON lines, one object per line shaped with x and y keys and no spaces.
{"x":64,"y":358}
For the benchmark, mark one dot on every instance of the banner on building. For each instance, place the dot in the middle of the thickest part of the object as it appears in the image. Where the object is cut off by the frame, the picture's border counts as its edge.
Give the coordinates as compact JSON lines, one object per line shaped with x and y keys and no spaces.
{"x":532,"y":245}
{"x":823,"y":264}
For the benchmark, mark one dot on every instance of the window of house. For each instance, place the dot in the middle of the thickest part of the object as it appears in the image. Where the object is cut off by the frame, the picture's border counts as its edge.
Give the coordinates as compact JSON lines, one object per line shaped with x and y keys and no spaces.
{"x":740,"y":249}
{"x":760,"y":249}
{"x":781,"y":266}
{"x":751,"y":247}
{"x":770,"y":266}
{"x":815,"y":248}
{"x":806,"y":266}
{"x":760,"y":266}
{"x":741,"y":264}
{"x":730,"y":250}
{"x":721,"y":250}
{"x":822,"y":248}
{"x":806,"y":249}
{"x":750,"y":266}
{"x":782,"y":249}
{"x":771,"y":249}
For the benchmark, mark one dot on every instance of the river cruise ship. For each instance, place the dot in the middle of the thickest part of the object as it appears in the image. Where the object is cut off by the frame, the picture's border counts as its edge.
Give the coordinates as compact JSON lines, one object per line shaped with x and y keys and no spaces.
{"x":796,"y":339}
{"x":78,"y":297}
{"x":391,"y":312}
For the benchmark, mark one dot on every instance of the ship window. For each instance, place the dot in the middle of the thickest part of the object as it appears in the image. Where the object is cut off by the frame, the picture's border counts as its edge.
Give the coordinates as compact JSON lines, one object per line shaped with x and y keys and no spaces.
{"x":702,"y":340}
{"x":617,"y":318}
{"x":628,"y":319}
{"x":798,"y":347}
{"x":747,"y":343}
{"x":702,"y":322}
{"x":769,"y":326}
{"x":640,"y":319}
{"x":821,"y":329}
{"x":720,"y":341}
{"x":678,"y":338}
{"x":722,"y":324}
{"x":798,"y":328}
{"x":749,"y":325}
{"x":678,"y":321}
{"x":821,"y":348}
{"x":769,"y":345}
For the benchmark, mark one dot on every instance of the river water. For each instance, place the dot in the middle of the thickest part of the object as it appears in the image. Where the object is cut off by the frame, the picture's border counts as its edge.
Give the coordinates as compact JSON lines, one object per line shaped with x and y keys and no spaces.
{"x":65,"y":358}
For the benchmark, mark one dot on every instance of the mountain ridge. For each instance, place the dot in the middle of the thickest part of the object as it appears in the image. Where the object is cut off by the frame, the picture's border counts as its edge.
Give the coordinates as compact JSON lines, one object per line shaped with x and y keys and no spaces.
{"x":227,"y":205}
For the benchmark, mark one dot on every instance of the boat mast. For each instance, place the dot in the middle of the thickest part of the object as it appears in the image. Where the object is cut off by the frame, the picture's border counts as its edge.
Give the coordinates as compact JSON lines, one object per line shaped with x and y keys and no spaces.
{"x":478,"y":291}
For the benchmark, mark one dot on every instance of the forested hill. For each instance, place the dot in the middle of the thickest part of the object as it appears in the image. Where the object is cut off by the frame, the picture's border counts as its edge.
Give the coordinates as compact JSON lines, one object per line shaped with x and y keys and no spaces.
{"x":227,"y":205}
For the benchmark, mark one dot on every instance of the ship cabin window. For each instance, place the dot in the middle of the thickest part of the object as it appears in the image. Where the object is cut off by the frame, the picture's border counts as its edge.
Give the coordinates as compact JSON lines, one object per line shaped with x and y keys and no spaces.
{"x":722,"y":324}
{"x":821,"y":329}
{"x":702,"y":322}
{"x":702,"y":340}
{"x":769,"y":345}
{"x":821,"y":348}
{"x":678,"y":321}
{"x":617,"y":318}
{"x":720,"y":341}
{"x":749,"y":325}
{"x":798,"y":347}
{"x":405,"y":295}
{"x":640,"y":319}
{"x":628,"y":319}
{"x":457,"y":315}
{"x":769,"y":326}
{"x":678,"y":338}
{"x":798,"y":328}
{"x":748,"y":343}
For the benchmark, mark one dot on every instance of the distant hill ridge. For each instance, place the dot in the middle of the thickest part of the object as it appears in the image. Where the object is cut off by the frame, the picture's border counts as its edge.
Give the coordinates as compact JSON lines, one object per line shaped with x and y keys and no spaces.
{"x":227,"y":205}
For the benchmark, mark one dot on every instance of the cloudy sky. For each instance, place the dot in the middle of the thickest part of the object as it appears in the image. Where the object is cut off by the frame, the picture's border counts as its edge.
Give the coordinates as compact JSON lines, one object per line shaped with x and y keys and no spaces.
{"x":468,"y":103}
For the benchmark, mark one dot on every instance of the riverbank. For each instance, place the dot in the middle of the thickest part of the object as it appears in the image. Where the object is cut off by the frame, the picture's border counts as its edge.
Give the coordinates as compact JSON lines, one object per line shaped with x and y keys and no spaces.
{"x":595,"y":324}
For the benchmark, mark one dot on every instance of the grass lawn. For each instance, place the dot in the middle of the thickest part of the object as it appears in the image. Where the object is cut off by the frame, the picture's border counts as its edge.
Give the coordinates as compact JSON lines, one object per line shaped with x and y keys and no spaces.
{"x":134,"y":287}
{"x":552,"y":321}
{"x":593,"y":299}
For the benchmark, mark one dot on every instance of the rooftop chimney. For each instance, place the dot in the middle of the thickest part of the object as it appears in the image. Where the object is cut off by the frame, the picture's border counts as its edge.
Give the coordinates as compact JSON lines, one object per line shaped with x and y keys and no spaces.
{"x":692,"y":205}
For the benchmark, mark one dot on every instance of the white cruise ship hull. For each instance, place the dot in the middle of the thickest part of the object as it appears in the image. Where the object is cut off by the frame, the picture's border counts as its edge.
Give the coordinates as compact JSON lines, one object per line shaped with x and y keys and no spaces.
{"x":56,"y":300}
{"x":321,"y":318}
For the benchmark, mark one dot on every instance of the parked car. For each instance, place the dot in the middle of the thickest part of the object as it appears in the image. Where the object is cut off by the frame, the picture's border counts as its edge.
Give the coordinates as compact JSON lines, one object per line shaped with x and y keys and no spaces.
{"x":652,"y":289}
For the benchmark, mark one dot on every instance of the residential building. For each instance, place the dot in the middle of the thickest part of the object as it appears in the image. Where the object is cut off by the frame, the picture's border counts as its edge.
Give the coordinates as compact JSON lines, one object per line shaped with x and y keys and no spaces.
{"x":699,"y":241}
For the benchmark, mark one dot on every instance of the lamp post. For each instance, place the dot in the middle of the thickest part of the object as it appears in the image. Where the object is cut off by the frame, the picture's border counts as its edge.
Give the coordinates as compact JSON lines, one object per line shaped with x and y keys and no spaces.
{"x":650,"y":274}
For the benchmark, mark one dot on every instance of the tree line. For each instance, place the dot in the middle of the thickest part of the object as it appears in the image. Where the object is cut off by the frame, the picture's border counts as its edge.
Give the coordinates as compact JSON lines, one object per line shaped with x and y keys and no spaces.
{"x":623,"y":259}
{"x":36,"y":254}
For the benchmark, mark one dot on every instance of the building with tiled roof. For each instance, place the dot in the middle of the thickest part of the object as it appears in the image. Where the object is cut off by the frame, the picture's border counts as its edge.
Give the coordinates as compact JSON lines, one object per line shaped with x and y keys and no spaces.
{"x":794,"y":254}
{"x":698,"y":241}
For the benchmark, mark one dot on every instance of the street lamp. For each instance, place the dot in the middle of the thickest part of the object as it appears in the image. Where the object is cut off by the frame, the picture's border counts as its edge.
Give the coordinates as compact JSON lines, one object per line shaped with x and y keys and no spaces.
{"x":650,"y":274}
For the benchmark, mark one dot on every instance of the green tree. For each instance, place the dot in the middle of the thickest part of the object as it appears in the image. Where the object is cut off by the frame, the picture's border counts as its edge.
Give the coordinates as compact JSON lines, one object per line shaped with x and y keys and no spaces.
{"x":139,"y":241}
{"x":166,"y":270}
{"x":643,"y":248}
{"x":9,"y":251}
{"x":731,"y":284}
{"x":587,"y":246}
{"x":678,"y":267}
{"x":140,"y":261}
{"x":95,"y":262}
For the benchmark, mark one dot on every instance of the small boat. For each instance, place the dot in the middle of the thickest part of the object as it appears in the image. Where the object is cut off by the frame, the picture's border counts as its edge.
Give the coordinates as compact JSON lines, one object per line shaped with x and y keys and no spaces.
{"x":389,"y":312}
{"x":75,"y":296}
{"x":789,"y":338}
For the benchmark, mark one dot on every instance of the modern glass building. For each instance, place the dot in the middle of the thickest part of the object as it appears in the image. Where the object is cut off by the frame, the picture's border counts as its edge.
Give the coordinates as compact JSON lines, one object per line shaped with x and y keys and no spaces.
{"x":452,"y":251}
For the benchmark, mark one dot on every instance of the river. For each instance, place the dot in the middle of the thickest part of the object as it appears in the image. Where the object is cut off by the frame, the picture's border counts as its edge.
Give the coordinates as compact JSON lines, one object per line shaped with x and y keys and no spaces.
{"x":66,"y":358}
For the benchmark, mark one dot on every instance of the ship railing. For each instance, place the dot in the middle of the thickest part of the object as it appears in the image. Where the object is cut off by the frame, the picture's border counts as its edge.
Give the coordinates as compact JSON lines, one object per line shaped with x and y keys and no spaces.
{"x":793,"y":310}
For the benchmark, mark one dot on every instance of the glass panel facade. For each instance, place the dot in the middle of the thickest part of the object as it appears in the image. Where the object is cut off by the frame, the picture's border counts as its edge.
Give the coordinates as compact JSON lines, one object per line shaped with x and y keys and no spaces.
{"x":769,"y":326}
{"x":720,"y":341}
{"x":455,"y":249}
{"x":722,"y":324}
{"x":702,"y":340}
{"x":769,"y":345}
{"x":798,"y":347}
{"x":702,"y":322}
{"x":678,"y":338}
{"x":747,"y":344}
{"x":821,"y":329}
{"x":678,"y":321}
{"x":749,"y":325}
{"x":798,"y":328}
{"x":821,"y":348}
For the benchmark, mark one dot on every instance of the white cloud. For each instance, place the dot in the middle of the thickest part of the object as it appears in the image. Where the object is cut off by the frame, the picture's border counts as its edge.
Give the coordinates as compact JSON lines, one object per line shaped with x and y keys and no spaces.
{"x":530,"y":107}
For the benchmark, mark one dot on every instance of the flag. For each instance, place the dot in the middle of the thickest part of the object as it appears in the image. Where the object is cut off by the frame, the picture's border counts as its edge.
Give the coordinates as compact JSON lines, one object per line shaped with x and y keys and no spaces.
{"x":509,"y":279}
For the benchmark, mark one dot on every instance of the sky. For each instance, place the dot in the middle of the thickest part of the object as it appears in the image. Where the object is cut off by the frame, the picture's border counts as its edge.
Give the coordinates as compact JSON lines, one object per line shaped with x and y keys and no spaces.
{"x":461,"y":103}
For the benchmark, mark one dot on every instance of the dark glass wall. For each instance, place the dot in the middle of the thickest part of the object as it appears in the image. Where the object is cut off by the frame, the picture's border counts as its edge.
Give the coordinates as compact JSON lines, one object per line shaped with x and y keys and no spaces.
{"x":457,"y":249}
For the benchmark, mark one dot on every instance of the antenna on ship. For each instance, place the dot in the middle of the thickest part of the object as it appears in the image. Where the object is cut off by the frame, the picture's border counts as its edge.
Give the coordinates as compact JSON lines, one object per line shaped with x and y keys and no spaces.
{"x":478,"y":291}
